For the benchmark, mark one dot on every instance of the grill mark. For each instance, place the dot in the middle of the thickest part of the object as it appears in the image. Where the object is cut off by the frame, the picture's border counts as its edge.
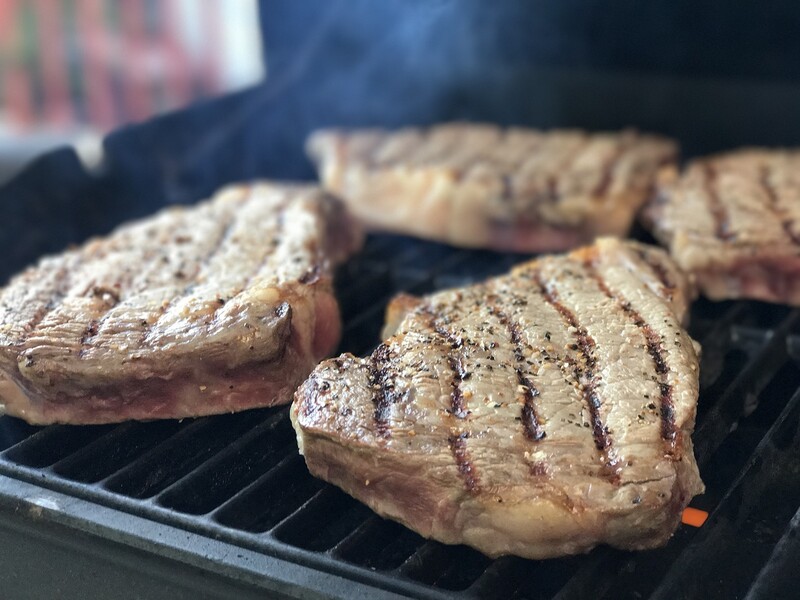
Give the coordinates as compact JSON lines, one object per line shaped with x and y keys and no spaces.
{"x":410,"y":149}
{"x":608,"y":169}
{"x":667,"y":286}
{"x":458,"y":409}
{"x":458,"y":447}
{"x":772,"y":204}
{"x":532,"y":146}
{"x":457,"y":405}
{"x":512,"y":170}
{"x":506,"y":173}
{"x":551,"y":191}
{"x":56,"y":300}
{"x":267,"y":254}
{"x":506,"y":187}
{"x":474,"y":159}
{"x":434,"y":149}
{"x":314,"y":269}
{"x":97,"y":323}
{"x":365,"y":155}
{"x":722,"y":226}
{"x":585,"y":374}
{"x":531,"y":421}
{"x":91,"y":330}
{"x":565,"y":166}
{"x":462,"y":172}
{"x":399,"y":152}
{"x":384,"y":393}
{"x":370,"y":158}
{"x":62,"y":291}
{"x":187,"y":290}
{"x":270,"y":251}
{"x":652,"y":340}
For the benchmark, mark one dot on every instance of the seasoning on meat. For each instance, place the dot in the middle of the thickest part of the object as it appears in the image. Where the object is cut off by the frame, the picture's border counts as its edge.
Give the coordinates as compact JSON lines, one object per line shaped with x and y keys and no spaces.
{"x":539,"y":413}
{"x":215,"y":308}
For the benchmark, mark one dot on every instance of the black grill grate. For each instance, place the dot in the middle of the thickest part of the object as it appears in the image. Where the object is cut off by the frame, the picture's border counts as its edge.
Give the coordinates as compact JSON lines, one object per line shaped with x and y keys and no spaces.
{"x":238,"y":477}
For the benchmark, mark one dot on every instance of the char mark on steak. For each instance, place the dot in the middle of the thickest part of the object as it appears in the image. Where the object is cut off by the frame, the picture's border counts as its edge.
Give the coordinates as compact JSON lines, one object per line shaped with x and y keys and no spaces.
{"x":586,"y":373}
{"x":531,"y":421}
{"x":773,"y":201}
{"x":722,"y":225}
{"x":653,"y":342}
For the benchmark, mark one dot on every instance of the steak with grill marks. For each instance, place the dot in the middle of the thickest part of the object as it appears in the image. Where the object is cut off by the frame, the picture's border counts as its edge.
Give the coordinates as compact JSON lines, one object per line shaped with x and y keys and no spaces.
{"x":539,"y":414}
{"x":733,"y":221}
{"x":486,"y":187}
{"x":216,"y":308}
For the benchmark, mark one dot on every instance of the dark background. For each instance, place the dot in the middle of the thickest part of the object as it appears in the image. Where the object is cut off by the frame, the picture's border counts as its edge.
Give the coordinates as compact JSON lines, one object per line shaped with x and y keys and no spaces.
{"x":713,"y":74}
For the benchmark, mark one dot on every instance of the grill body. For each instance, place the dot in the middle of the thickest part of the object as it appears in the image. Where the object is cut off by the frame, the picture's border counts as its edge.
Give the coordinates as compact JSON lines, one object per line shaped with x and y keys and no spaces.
{"x":223,"y":506}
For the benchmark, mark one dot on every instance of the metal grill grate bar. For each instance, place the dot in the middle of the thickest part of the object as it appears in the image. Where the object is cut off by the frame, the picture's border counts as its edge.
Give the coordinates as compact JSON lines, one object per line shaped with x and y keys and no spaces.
{"x":118,"y":447}
{"x":772,"y":582}
{"x":269,"y":499}
{"x":209,"y":484}
{"x":718,"y":420}
{"x":163,"y":464}
{"x":731,"y":547}
{"x":49,"y":445}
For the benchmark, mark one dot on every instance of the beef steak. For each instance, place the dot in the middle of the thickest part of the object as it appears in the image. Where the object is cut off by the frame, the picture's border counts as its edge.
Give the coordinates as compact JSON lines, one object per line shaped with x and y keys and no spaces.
{"x":215,"y":308}
{"x":483,"y":186}
{"x":733,"y":222}
{"x":539,"y":414}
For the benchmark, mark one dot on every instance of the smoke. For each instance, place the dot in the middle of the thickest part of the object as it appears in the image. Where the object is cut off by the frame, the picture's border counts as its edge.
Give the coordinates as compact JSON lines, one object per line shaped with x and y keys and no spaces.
{"x":575,"y":63}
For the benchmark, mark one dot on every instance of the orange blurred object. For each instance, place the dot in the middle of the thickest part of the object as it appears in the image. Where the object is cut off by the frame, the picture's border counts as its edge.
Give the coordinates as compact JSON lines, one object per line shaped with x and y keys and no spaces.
{"x":694,"y":517}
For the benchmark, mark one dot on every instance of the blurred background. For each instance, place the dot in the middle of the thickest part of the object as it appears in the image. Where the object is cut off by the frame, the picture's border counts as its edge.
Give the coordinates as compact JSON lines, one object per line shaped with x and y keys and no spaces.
{"x":72,"y":70}
{"x":166,"y":100}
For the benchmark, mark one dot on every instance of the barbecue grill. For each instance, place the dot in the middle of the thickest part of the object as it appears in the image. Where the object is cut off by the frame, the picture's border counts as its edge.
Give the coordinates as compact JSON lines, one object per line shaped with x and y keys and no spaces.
{"x":224,"y":507}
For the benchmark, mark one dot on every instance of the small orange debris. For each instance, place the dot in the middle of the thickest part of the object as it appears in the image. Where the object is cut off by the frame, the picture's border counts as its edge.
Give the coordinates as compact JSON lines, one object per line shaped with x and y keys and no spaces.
{"x":694,"y":517}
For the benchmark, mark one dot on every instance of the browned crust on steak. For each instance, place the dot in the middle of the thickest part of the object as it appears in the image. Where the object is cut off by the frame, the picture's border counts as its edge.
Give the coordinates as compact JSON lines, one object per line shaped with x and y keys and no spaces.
{"x":731,"y":220}
{"x":198,"y":310}
{"x":463,"y":450}
{"x":483,"y":186}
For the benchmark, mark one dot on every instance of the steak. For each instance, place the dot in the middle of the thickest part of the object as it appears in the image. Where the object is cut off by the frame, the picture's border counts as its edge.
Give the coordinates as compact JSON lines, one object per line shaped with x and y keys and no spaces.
{"x":215,"y":308}
{"x":485,"y":187}
{"x":539,"y":414}
{"x":733,"y":221}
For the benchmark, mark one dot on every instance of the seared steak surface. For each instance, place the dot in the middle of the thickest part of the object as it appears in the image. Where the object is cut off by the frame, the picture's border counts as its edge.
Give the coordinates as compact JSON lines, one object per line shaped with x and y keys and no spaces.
{"x":539,"y":414}
{"x":208,"y":309}
{"x":486,"y":187}
{"x":733,"y":220}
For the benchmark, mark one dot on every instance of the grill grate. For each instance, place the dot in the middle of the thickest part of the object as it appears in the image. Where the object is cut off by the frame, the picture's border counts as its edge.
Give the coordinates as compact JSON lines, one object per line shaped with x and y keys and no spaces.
{"x":238,"y":477}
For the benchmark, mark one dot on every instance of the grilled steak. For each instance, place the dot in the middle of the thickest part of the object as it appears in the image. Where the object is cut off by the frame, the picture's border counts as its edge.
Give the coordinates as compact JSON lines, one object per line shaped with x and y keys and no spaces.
{"x":216,"y":308}
{"x":485,"y":187}
{"x":538,"y":414}
{"x":733,"y":220}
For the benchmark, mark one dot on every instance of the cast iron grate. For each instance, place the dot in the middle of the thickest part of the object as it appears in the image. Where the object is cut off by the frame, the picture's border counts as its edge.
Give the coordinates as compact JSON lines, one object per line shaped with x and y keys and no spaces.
{"x":239,"y":478}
